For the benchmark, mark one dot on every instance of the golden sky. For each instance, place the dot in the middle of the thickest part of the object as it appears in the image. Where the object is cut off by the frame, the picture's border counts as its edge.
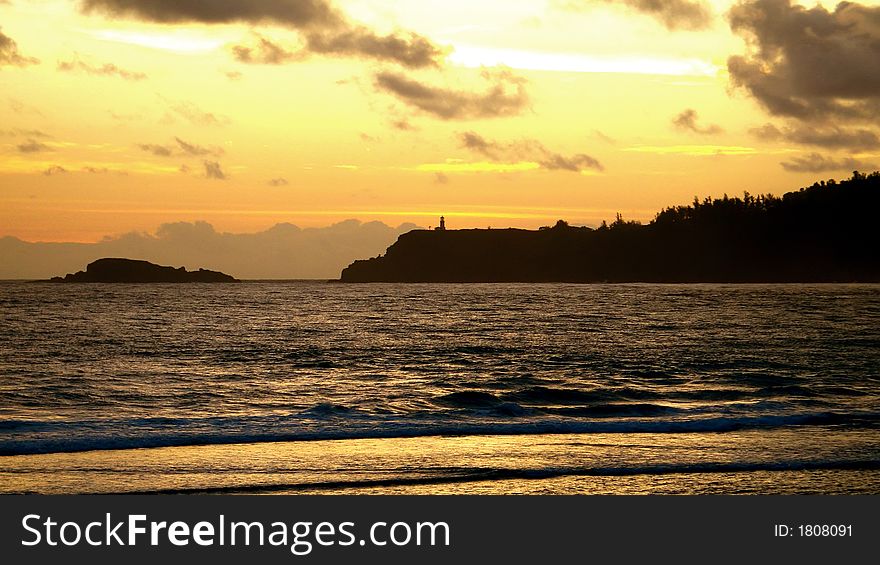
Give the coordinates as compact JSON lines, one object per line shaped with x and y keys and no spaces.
{"x":121,"y":115}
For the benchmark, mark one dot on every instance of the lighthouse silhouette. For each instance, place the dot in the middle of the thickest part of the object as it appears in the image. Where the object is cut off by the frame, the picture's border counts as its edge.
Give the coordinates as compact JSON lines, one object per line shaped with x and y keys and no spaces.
{"x":442,"y":226}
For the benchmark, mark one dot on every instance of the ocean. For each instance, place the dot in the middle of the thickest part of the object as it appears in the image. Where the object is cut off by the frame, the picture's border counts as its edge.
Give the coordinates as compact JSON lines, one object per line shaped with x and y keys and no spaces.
{"x":304,"y":387}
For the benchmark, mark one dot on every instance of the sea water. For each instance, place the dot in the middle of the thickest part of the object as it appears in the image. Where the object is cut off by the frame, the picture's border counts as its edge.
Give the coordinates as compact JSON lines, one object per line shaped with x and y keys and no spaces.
{"x":316,"y":386}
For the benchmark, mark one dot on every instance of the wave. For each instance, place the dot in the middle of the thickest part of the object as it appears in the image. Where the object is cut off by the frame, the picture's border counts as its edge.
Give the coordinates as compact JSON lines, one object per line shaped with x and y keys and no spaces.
{"x":469,"y":399}
{"x":42,"y":437}
{"x":501,"y":474}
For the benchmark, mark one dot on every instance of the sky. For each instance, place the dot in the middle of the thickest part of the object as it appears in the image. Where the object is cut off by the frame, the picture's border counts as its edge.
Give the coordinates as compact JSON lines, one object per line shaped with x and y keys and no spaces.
{"x":119,"y":117}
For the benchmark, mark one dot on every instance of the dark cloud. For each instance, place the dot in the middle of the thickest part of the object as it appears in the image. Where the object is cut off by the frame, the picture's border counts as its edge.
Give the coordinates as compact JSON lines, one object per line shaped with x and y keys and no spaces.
{"x":808,"y":63}
{"x":829,"y":137}
{"x":107,"y":69}
{"x":527,"y":150}
{"x":297,"y":14}
{"x":573,"y":163}
{"x":413,"y":51}
{"x":674,"y":14}
{"x":55,"y":170}
{"x":265,"y":52}
{"x":198,"y":150}
{"x":278,"y":182}
{"x":213,"y":170}
{"x":767,"y":132}
{"x":440,"y":178}
{"x":687,"y":120}
{"x":816,"y":163}
{"x":479,"y":144}
{"x":506,"y":96}
{"x":183,"y":148}
{"x":324,"y":29}
{"x":96,"y":171}
{"x":408,"y":50}
{"x":157,"y":150}
{"x":32,"y":146}
{"x":10,"y":55}
{"x":402,"y":125}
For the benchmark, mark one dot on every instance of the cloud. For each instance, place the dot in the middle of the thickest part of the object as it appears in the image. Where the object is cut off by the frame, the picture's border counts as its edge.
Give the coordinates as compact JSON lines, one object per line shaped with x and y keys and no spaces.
{"x":32,"y":146}
{"x":107,"y":69}
{"x":10,"y":55}
{"x":213,"y":170}
{"x":183,"y":148}
{"x":573,"y":163}
{"x":605,"y":138}
{"x":479,"y":144}
{"x":831,"y":137}
{"x":408,"y":50}
{"x":157,"y":150}
{"x":32,"y":133}
{"x":809,"y":64}
{"x":198,"y":150}
{"x":278,"y":182}
{"x":325,"y":30}
{"x":284,"y":251}
{"x":687,"y":120}
{"x":195,"y":115}
{"x":123,"y":117}
{"x":96,"y":170}
{"x":413,"y":51}
{"x":265,"y":52}
{"x":694,"y":150}
{"x":55,"y":170}
{"x":527,"y":150}
{"x":816,"y":163}
{"x":674,"y":14}
{"x":19,"y":107}
{"x":297,"y":14}
{"x":506,"y":96}
{"x":403,"y":125}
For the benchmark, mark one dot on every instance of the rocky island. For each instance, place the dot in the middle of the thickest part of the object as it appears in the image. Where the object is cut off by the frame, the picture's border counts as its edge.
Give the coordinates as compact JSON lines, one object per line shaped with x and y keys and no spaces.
{"x":824,"y":233}
{"x":114,"y":270}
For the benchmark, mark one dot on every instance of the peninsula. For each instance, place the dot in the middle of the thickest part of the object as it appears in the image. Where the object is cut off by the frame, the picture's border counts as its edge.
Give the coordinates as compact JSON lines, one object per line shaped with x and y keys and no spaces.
{"x":824,"y":233}
{"x":132,"y":271}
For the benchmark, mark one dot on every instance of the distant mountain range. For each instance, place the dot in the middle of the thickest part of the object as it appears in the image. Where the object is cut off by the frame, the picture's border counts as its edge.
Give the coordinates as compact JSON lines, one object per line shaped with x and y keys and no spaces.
{"x":824,"y":233}
{"x":284,"y":251}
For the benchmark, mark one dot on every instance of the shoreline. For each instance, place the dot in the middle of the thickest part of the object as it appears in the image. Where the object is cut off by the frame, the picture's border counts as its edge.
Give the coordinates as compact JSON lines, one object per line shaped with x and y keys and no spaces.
{"x":758,"y":461}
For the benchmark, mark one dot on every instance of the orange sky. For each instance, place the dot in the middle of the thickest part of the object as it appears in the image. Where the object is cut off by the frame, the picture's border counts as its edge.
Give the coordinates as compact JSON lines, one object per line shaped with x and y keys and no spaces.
{"x":121,"y":115}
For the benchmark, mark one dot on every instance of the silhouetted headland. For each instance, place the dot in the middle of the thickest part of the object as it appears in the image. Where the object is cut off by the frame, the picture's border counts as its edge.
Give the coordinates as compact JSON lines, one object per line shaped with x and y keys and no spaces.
{"x":132,"y":271}
{"x":824,"y":233}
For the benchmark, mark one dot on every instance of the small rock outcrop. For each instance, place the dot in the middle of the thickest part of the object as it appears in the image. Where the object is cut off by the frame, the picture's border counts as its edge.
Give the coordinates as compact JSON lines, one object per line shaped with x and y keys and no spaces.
{"x":133,"y":271}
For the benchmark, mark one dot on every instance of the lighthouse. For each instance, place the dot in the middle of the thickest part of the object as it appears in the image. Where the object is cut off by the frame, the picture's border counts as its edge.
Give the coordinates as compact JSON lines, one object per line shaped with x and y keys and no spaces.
{"x":442,"y":224}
